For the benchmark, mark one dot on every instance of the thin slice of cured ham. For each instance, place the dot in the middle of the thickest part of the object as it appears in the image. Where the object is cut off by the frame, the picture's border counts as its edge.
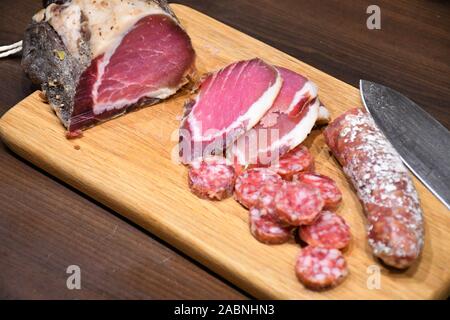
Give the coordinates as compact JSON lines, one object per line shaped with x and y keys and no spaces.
{"x":229,"y":103}
{"x":287,"y":123}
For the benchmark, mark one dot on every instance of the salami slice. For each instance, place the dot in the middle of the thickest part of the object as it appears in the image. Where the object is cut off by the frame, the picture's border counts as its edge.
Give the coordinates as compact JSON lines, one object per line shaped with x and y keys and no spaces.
{"x":327,"y":186}
{"x":267,"y":195}
{"x":298,"y":203}
{"x":295,"y":161}
{"x":266,"y":228}
{"x":320,"y":268}
{"x":212,"y":178}
{"x":329,"y":231}
{"x":250,"y":182}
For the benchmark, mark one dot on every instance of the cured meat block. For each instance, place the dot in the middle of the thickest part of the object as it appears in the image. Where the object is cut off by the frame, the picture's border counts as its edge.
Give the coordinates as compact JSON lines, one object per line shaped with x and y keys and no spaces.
{"x":329,"y":231}
{"x":320,"y":268}
{"x":384,"y":186}
{"x":211,"y":178}
{"x":328,"y":188}
{"x":96,"y":60}
{"x":229,"y":103}
{"x":287,"y":123}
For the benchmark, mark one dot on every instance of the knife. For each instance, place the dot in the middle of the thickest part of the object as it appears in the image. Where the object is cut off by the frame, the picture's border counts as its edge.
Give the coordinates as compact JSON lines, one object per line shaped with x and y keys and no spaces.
{"x":422,"y":142}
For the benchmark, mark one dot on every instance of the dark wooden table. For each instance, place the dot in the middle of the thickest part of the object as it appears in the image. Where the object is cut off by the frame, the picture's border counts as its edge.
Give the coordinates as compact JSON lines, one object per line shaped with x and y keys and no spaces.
{"x":45,"y":225}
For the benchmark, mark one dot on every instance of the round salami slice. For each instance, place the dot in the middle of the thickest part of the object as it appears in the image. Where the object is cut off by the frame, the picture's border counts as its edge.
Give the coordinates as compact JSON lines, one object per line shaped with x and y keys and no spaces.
{"x":250,"y":182}
{"x":320,"y":268}
{"x":328,"y":188}
{"x":329,"y":231}
{"x":211,"y":178}
{"x":266,"y":229}
{"x":298,"y":203}
{"x":295,"y":161}
{"x":266,"y":199}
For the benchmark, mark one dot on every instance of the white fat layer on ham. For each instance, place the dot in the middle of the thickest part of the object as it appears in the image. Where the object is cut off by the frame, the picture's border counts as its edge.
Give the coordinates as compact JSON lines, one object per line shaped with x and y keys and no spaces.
{"x":301,"y":131}
{"x":263,"y":104}
{"x":162,"y":93}
{"x":323,"y":116}
{"x":254,"y":113}
{"x":107,"y":21}
{"x":291,"y":140}
{"x":308,"y":90}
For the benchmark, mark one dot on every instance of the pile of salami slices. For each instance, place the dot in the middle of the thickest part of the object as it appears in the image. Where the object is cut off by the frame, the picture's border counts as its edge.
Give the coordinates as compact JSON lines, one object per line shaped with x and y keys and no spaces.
{"x":286,"y":199}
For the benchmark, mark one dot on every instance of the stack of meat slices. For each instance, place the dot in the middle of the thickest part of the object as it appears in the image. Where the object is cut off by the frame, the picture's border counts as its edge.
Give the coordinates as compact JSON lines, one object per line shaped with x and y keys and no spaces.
{"x":252,"y":110}
{"x":283,"y":200}
{"x":291,"y":198}
{"x":271,"y":175}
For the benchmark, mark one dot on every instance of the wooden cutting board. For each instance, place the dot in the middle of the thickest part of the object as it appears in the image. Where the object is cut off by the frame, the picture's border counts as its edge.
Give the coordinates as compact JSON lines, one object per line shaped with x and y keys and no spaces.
{"x":127,"y":165}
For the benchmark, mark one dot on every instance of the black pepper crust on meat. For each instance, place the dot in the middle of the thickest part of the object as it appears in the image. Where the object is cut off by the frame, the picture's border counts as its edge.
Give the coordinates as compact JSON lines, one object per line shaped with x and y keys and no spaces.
{"x":46,"y":3}
{"x":48,"y":63}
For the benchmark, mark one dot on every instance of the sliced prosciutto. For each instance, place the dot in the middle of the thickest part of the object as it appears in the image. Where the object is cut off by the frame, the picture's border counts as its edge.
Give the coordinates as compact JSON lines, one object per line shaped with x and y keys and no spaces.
{"x":287,"y":123}
{"x":229,"y":103}
{"x":96,"y":60}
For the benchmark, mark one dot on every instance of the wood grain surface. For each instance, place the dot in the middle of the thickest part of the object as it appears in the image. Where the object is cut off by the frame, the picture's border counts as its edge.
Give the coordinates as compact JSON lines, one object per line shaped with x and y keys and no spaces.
{"x":410,"y":53}
{"x":128,"y":164}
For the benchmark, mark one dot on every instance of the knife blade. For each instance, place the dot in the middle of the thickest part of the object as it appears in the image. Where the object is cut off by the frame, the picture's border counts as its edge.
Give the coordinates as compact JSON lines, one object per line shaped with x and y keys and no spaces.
{"x":422,"y":142}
